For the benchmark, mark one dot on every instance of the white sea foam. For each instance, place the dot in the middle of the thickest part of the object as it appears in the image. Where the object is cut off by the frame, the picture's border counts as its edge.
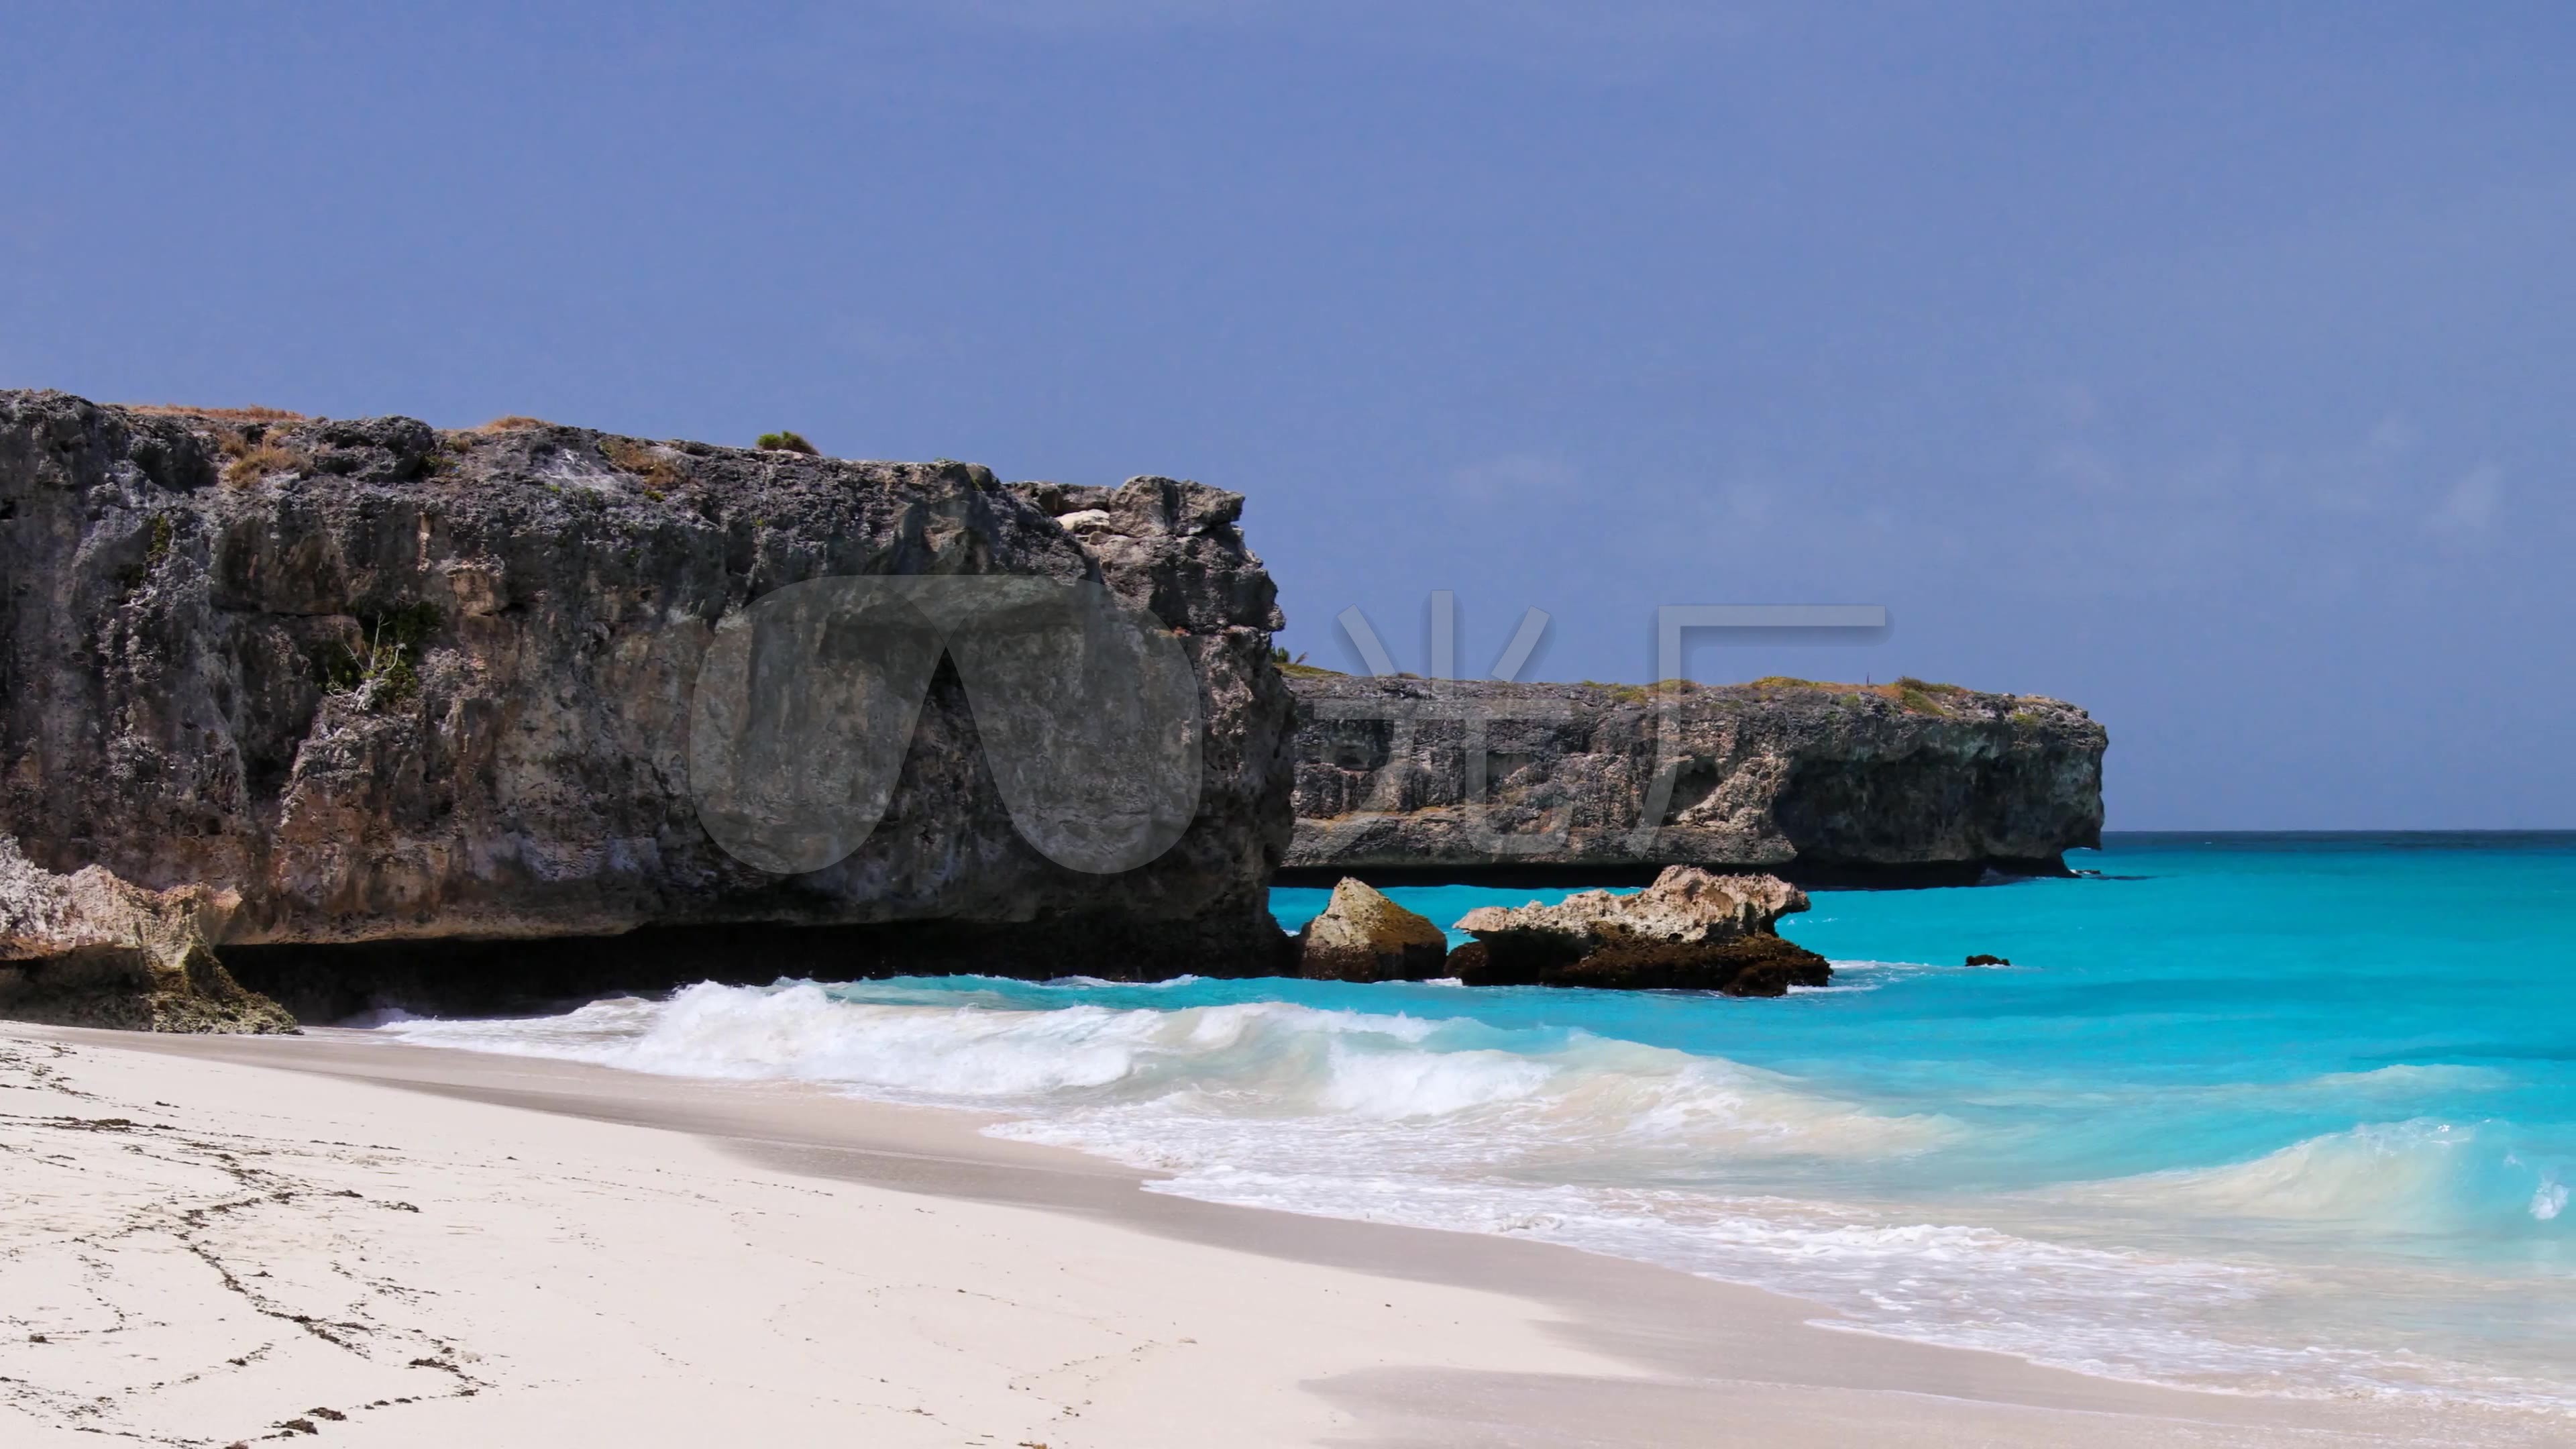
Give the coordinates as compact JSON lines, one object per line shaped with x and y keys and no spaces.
{"x":1251,"y":1062}
{"x":1874,"y":975}
{"x":1612,"y":1146}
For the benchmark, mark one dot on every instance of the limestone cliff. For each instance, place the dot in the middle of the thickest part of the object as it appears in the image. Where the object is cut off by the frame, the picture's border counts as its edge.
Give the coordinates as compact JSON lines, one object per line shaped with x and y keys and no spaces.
{"x":1822,"y":782}
{"x":391,"y":684}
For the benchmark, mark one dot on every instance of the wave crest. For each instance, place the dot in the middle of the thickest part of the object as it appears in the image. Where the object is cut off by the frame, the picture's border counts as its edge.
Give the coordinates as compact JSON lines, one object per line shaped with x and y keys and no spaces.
{"x":2422,"y":1175}
{"x":1499,"y":1092}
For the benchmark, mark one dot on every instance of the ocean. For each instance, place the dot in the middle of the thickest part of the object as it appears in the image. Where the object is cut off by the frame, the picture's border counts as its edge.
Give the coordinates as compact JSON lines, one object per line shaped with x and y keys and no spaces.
{"x":2268,"y":1113}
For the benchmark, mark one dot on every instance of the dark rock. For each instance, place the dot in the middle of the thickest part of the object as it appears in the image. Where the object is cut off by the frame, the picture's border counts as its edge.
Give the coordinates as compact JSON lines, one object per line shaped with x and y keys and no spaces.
{"x":189,"y":596}
{"x":1363,"y":936}
{"x":1753,"y":966}
{"x":1747,"y":966}
{"x":1891,"y":784}
{"x":1982,"y":959}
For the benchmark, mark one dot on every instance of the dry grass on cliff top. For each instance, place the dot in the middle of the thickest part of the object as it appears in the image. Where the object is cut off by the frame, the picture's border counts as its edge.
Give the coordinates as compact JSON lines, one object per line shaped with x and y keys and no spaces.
{"x":249,"y":453}
{"x":224,"y":415}
{"x":1922,"y":696}
{"x":660,"y":471}
{"x":250,"y":459}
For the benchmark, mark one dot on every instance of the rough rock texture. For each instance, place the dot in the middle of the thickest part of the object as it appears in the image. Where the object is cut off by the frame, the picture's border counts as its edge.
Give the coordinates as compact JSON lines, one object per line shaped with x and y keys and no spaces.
{"x":1363,"y":936}
{"x":1685,"y":906}
{"x":1827,"y":783}
{"x":87,"y":949}
{"x":391,"y":684}
{"x":1689,"y":930}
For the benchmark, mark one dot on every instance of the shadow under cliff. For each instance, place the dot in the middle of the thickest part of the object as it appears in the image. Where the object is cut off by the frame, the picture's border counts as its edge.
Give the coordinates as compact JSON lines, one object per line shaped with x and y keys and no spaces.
{"x":1805,"y":874}
{"x":323,"y":983}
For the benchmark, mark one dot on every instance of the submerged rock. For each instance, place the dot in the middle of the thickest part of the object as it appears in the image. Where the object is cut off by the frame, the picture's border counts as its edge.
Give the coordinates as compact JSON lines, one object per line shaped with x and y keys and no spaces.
{"x":88,"y":949}
{"x":1363,"y":936}
{"x":1690,"y":930}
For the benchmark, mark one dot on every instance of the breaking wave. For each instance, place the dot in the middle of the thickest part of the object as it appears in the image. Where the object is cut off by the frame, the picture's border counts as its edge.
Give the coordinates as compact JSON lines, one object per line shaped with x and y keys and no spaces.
{"x":1687,"y":1159}
{"x":1506,"y":1093}
{"x":2420,"y":1176}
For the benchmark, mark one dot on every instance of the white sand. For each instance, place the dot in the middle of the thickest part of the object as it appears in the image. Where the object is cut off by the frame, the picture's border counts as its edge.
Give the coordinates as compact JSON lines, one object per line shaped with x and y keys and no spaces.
{"x":476,"y":1257}
{"x":444,"y":1272}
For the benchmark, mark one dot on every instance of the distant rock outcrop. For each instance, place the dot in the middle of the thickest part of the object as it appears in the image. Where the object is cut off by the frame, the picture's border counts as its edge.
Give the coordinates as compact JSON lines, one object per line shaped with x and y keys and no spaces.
{"x":1690,"y":930}
{"x":1363,"y":936}
{"x":417,"y":695}
{"x":1828,"y":783}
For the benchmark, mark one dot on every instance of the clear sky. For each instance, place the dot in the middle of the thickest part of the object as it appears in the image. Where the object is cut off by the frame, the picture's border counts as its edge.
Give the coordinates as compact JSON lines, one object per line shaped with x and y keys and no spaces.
{"x":2206,"y":364}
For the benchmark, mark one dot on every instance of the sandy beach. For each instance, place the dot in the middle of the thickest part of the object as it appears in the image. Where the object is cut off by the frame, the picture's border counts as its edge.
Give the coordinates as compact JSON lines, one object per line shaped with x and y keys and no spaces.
{"x":220,"y":1240}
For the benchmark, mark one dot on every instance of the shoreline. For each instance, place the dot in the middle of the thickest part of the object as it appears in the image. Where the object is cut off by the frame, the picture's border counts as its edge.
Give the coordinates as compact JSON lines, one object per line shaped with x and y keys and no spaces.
{"x":1556,"y":1345}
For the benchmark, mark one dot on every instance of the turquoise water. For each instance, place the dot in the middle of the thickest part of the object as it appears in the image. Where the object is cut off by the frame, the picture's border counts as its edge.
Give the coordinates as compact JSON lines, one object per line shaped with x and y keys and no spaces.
{"x":2206,"y":999}
{"x":2288,"y":1113}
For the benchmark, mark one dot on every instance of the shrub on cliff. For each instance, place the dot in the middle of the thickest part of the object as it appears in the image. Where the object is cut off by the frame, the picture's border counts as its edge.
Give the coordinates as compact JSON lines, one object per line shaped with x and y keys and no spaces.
{"x":1922,"y":696}
{"x":385,"y":672}
{"x":789,"y":442}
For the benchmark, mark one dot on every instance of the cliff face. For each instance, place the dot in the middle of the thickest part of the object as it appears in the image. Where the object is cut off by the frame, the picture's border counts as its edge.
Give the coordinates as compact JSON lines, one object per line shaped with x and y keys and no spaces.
{"x":394,"y":684}
{"x":1822,"y":782}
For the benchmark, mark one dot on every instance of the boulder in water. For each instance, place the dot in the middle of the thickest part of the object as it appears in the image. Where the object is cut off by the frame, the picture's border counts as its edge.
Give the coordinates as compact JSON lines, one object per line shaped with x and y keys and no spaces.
{"x":1363,"y":936}
{"x":1691,"y":930}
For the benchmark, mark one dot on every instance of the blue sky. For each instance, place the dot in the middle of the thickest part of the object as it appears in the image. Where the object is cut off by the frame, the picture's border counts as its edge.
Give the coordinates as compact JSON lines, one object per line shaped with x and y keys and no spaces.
{"x":2208,"y":365}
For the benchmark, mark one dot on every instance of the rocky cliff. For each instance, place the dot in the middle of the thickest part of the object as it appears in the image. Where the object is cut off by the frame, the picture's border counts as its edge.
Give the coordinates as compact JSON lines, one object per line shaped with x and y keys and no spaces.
{"x":402,"y":690}
{"x":1909,"y":782}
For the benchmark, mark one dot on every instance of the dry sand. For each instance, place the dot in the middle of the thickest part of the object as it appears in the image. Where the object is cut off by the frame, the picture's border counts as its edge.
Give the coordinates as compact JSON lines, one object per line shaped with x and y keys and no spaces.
{"x":219,"y":1240}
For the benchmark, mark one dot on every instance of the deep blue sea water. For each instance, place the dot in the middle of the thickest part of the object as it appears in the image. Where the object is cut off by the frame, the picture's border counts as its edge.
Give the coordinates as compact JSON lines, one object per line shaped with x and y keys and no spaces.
{"x":2284,"y":1113}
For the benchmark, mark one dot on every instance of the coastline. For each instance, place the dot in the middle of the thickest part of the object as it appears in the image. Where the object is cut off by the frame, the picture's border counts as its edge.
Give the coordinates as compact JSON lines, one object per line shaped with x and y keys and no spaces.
{"x":699,"y":1233}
